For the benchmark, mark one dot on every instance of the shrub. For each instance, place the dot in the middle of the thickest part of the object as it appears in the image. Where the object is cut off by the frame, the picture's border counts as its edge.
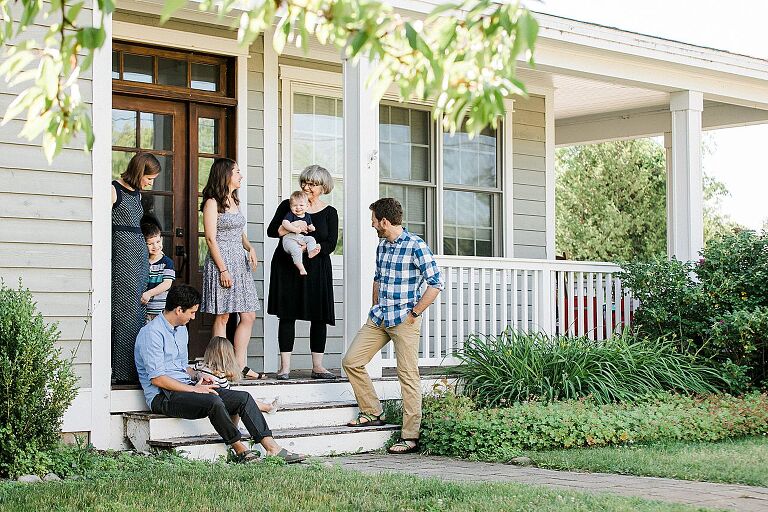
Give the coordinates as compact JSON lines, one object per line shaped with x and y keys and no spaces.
{"x":36,"y":385}
{"x":716,"y":308}
{"x":452,"y":426}
{"x":518,"y":367}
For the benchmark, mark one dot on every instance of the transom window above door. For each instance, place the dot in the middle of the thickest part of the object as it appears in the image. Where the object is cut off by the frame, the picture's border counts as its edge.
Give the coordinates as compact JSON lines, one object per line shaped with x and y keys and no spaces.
{"x":153,"y":67}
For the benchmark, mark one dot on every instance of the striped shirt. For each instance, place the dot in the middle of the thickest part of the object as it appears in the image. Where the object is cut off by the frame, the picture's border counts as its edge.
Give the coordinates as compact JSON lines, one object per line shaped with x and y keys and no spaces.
{"x":402,"y":267}
{"x":159,"y":271}
{"x":220,"y":380}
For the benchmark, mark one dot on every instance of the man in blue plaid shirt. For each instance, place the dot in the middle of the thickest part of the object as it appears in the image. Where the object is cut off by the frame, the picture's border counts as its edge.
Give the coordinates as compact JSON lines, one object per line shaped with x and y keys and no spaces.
{"x":403,"y":263}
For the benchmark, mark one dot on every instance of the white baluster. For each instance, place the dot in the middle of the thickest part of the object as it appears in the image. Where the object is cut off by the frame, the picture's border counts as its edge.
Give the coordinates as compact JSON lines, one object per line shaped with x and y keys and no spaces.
{"x":600,"y":307}
{"x":591,"y":305}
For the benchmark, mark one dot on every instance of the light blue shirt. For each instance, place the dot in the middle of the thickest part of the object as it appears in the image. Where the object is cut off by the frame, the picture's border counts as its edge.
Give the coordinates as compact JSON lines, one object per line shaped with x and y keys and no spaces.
{"x":161,"y":349}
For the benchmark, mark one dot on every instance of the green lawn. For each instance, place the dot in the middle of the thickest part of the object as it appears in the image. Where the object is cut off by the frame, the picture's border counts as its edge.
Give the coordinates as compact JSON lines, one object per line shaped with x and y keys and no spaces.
{"x":186,"y":487}
{"x":743,"y":461}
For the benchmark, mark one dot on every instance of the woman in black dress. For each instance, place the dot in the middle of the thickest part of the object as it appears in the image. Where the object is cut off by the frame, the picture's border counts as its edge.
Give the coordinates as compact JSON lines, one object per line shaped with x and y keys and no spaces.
{"x":295,"y":297}
{"x":130,"y":263}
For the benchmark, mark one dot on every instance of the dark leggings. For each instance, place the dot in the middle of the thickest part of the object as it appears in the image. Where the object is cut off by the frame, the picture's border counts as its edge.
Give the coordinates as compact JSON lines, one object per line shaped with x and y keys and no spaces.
{"x":286,"y":334}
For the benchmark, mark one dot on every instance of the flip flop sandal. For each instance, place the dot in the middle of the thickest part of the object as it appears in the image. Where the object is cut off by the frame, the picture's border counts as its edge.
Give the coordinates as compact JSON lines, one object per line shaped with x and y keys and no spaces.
{"x":259,"y":376}
{"x":247,"y":457}
{"x":368,"y":420}
{"x":290,"y":457}
{"x":404,"y":447}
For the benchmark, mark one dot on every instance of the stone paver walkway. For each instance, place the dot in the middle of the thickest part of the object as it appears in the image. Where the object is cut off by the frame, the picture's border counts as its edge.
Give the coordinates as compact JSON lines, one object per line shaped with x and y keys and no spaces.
{"x":701,"y":494}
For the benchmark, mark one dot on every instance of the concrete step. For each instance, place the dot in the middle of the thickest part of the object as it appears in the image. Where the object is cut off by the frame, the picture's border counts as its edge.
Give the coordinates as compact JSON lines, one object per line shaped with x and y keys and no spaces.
{"x":317,"y":441}
{"x":142,"y":427}
{"x":291,"y":391}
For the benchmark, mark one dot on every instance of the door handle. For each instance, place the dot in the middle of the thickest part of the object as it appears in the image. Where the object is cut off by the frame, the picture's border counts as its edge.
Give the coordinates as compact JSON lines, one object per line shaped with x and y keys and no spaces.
{"x":181,"y":251}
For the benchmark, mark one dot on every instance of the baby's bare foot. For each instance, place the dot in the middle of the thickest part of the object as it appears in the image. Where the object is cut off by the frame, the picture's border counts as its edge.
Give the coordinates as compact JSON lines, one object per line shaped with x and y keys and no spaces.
{"x":314,"y":252}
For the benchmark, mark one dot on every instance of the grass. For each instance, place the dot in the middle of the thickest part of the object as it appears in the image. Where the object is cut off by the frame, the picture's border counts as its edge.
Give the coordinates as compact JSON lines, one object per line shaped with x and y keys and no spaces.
{"x":740,"y":461}
{"x":184,"y":486}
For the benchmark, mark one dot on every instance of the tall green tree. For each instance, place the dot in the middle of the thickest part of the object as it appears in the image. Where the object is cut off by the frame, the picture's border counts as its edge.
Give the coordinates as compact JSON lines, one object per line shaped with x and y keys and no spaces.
{"x":610,"y":201}
{"x":462,"y":55}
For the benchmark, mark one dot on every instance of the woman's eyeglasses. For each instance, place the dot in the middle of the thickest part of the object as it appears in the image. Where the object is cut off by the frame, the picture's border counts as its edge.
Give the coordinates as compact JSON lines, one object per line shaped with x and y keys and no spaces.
{"x":310,"y":183}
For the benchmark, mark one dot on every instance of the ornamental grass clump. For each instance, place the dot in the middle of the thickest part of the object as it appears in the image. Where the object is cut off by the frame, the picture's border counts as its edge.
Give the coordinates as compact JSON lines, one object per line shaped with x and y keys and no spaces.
{"x":37,"y":385}
{"x":515,"y":367}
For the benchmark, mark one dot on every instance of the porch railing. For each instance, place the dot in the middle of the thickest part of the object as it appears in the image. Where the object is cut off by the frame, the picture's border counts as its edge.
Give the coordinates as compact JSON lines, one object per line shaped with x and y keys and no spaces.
{"x":570,"y":298}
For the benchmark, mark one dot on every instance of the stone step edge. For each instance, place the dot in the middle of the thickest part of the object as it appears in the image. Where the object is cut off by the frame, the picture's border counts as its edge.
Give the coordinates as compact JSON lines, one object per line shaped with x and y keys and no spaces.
{"x":176,"y":442}
{"x":306,"y":406}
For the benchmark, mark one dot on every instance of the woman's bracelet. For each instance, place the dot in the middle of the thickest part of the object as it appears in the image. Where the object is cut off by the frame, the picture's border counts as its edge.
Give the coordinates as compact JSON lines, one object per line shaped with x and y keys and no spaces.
{"x":222,"y":271}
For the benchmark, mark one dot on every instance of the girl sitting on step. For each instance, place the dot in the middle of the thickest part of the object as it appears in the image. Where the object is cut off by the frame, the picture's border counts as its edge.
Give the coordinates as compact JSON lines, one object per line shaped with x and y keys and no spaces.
{"x":220,"y":365}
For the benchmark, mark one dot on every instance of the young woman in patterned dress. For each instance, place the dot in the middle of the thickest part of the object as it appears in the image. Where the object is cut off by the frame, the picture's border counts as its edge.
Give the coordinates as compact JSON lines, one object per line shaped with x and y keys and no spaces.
{"x":228,"y":285}
{"x":130,"y":263}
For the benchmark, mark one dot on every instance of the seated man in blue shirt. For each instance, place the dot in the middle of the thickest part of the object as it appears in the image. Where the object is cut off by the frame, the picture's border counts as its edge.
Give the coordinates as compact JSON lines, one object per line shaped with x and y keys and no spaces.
{"x":174,"y":389}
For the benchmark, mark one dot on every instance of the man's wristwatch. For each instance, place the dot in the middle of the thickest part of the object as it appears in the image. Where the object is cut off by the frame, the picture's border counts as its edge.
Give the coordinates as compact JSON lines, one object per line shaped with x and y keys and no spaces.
{"x":415,"y":314}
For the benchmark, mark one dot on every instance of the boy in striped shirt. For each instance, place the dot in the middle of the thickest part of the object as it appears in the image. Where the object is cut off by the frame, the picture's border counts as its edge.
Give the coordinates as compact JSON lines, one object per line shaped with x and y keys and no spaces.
{"x":161,"y":272}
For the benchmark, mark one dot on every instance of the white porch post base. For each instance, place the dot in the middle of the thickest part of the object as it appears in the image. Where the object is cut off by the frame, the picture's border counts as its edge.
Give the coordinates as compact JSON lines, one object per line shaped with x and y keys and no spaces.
{"x":685,"y":223}
{"x":361,"y":188}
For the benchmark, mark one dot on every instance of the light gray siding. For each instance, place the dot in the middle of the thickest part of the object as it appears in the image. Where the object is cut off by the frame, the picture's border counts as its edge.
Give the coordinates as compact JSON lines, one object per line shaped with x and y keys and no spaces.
{"x":529,"y":178}
{"x":45,"y":214}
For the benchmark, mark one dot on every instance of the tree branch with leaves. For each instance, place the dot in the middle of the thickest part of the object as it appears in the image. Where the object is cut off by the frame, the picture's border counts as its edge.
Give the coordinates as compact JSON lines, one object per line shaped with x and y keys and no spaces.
{"x":462,"y":55}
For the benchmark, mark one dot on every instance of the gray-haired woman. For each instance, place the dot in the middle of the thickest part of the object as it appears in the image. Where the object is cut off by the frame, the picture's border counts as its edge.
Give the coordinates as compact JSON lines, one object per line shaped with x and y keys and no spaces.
{"x":296,"y":297}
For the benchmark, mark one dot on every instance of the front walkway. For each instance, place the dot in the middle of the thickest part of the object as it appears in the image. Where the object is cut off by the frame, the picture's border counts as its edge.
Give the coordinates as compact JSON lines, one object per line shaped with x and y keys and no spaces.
{"x":701,"y":494}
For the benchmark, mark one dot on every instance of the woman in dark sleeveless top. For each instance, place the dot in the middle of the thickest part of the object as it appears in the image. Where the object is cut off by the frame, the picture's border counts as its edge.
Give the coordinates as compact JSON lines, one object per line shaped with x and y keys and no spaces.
{"x":130,"y":263}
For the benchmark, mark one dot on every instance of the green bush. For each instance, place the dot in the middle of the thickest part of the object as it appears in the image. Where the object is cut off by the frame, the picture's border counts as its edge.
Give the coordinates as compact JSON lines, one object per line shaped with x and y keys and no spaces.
{"x":516,"y":366}
{"x":716,"y":308}
{"x":36,"y":385}
{"x":453,"y":426}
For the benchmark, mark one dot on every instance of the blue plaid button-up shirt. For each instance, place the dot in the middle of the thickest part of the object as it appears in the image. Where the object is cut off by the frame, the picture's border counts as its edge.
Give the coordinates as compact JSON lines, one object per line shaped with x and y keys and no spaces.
{"x":401,"y":268}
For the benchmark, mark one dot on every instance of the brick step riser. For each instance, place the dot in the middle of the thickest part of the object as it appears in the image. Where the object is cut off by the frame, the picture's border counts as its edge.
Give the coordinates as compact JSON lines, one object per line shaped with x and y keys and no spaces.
{"x":142,"y":430}
{"x":321,"y":445}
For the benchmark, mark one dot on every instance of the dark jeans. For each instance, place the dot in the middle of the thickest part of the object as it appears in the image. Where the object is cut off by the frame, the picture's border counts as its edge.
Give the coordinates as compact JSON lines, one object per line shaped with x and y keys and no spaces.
{"x":286,"y":334}
{"x":218,"y":409}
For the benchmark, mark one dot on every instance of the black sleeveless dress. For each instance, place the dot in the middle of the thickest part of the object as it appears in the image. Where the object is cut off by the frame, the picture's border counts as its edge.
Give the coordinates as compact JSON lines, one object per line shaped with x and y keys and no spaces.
{"x":130,"y":272}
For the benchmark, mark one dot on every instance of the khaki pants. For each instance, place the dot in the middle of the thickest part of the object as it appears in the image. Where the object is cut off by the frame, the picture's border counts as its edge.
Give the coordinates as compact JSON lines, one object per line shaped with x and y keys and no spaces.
{"x":371,"y":339}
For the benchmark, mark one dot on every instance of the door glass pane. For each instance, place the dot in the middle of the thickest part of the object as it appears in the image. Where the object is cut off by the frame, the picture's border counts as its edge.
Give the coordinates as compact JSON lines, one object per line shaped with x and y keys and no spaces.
{"x":120,"y":161}
{"x":164,"y":181}
{"x":208,"y":135}
{"x":203,"y":170}
{"x":124,"y":128}
{"x":202,"y":251}
{"x":137,"y":68}
{"x":115,"y":66}
{"x":470,"y":162}
{"x":160,"y":207}
{"x":156,"y":131}
{"x":205,"y":77}
{"x":171,"y":72}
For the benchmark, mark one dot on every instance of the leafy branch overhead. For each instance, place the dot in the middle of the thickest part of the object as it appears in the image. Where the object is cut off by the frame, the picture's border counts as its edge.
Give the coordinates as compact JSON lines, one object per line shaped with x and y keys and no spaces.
{"x":461,"y":55}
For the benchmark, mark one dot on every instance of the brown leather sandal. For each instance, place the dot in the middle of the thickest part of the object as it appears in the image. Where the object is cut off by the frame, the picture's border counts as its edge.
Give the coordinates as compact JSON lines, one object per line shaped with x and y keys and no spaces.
{"x":368,"y":420}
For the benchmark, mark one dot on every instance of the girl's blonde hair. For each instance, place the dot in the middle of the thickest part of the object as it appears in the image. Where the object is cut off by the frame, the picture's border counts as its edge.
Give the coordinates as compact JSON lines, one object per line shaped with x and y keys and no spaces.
{"x":220,"y":358}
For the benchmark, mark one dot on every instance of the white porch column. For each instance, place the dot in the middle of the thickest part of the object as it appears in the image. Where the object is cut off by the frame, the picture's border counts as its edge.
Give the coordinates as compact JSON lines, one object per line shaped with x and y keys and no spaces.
{"x":685,"y":224}
{"x":361,"y":188}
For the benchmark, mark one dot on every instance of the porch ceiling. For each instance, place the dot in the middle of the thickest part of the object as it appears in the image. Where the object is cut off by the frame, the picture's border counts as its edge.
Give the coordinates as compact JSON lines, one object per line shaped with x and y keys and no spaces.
{"x":578,"y":96}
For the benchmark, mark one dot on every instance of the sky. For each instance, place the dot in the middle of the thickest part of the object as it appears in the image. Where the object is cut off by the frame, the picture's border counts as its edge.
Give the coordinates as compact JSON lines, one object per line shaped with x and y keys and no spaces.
{"x":737,"y":158}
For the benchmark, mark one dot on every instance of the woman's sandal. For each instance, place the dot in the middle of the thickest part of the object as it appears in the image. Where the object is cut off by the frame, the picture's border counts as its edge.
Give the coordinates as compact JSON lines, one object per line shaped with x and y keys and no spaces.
{"x":368,"y":420}
{"x":247,"y":376}
{"x":247,"y":457}
{"x":402,"y":447}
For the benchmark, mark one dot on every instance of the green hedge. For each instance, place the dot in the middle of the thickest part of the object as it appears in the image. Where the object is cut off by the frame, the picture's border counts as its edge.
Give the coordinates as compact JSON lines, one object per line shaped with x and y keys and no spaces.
{"x":452,"y":426}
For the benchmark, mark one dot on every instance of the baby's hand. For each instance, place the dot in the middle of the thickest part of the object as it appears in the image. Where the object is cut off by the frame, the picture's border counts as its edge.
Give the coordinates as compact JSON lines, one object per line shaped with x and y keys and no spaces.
{"x":311,"y":227}
{"x":145,"y":297}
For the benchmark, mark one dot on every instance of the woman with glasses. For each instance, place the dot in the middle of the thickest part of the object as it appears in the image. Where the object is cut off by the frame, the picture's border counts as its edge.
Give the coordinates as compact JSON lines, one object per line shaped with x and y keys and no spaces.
{"x":305,"y":297}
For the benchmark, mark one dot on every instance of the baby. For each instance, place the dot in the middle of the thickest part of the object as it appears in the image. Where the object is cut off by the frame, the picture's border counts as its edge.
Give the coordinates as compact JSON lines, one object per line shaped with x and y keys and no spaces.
{"x":293,"y":241}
